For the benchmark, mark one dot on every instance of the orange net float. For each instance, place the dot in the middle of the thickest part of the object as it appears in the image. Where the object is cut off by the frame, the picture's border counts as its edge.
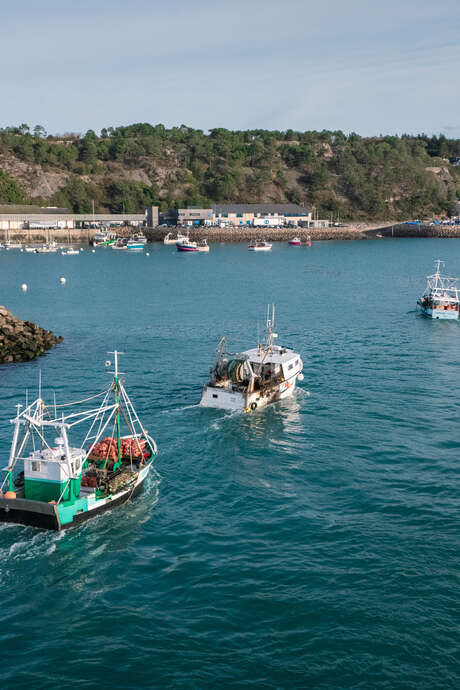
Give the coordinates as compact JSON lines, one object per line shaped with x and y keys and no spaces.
{"x":10,"y":494}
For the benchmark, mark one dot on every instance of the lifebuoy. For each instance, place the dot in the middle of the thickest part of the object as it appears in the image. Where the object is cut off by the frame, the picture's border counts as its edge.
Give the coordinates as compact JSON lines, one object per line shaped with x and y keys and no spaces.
{"x":253,"y":405}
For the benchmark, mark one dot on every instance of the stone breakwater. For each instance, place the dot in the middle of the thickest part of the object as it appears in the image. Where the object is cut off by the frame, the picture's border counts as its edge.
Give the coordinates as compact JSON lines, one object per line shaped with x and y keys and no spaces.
{"x":22,"y":341}
{"x":243,"y":234}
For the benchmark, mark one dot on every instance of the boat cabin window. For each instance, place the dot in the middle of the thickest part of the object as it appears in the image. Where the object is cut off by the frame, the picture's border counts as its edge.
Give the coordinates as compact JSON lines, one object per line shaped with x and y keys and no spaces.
{"x":290,"y":366}
{"x":297,"y":362}
{"x":36,"y":466}
{"x":214,"y":395}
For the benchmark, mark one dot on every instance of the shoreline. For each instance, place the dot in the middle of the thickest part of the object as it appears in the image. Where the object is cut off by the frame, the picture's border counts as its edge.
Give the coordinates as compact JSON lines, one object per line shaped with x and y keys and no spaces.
{"x":361,"y":231}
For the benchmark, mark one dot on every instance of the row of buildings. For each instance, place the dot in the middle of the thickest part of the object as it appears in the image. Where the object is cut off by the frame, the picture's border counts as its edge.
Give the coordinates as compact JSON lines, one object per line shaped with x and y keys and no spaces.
{"x":225,"y":215}
{"x":13,"y":217}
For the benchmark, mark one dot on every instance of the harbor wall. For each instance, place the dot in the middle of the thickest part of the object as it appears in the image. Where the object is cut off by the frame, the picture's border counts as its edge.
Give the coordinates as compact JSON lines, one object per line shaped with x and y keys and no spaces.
{"x":360,"y":231}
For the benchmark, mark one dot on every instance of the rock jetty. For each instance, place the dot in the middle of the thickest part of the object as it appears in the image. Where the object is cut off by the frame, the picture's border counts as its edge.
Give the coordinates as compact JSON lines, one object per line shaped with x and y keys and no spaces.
{"x":22,"y":341}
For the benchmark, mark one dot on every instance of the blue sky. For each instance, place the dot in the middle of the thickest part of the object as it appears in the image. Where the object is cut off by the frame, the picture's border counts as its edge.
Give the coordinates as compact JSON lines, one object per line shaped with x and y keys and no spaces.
{"x":357,"y":65}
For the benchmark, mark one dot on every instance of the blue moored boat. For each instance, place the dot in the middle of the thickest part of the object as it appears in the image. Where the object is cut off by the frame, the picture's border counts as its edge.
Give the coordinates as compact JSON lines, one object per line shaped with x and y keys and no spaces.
{"x":440,"y":299}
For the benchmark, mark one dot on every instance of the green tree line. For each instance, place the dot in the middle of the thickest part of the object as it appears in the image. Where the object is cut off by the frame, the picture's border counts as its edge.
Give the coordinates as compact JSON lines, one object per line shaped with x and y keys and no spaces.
{"x":339,"y":174}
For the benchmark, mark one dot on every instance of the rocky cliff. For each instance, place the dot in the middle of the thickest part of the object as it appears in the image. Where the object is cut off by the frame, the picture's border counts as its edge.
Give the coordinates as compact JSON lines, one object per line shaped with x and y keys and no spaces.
{"x":22,"y":341}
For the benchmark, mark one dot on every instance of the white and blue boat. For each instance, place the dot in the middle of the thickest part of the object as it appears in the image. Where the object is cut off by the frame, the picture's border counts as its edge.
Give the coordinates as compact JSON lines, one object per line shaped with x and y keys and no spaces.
{"x":440,"y":299}
{"x":134,"y":245}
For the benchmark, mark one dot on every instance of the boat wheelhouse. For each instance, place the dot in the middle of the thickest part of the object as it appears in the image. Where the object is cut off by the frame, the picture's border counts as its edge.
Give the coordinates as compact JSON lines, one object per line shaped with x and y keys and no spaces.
{"x":62,"y":482}
{"x":441,"y":297}
{"x":253,"y":378}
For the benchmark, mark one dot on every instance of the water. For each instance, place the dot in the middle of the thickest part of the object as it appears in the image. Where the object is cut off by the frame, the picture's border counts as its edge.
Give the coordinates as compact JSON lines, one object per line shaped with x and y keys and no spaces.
{"x":312,"y":544}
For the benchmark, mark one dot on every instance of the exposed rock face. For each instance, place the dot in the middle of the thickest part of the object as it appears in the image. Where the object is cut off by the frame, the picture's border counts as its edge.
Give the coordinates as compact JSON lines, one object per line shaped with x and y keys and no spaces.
{"x":21,"y":341}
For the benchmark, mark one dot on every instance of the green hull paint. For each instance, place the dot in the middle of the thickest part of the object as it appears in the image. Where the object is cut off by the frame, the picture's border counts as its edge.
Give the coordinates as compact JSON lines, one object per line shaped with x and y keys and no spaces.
{"x":43,"y":489}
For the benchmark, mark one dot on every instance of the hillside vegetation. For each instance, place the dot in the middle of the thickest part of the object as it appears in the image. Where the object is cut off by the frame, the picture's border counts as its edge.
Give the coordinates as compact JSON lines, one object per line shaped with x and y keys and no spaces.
{"x":126,"y":168}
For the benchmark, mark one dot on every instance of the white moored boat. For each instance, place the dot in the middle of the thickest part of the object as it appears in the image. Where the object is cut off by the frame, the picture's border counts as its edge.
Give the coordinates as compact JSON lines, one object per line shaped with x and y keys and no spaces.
{"x":295,"y":242}
{"x":260,"y":246}
{"x":254,"y":378}
{"x":440,"y":299}
{"x":169,"y":239}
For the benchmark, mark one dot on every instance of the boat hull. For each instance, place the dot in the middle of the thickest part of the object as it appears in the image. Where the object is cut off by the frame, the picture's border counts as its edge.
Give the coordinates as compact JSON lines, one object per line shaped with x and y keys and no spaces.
{"x":22,"y":511}
{"x":444,"y":314}
{"x":226,"y":399}
{"x":181,"y":248}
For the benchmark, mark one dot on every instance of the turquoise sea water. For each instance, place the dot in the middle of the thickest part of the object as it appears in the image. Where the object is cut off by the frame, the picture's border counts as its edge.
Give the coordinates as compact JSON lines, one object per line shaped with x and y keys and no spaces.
{"x":314,"y":544}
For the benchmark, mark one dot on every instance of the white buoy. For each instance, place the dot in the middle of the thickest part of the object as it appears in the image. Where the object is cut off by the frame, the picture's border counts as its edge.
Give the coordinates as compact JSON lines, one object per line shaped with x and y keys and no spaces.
{"x":147,"y":254}
{"x":81,"y":249}
{"x":63,"y":280}
{"x":94,"y":251}
{"x":24,"y":287}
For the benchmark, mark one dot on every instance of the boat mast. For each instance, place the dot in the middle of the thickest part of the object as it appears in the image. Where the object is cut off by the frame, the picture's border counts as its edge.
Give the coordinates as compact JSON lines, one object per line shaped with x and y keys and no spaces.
{"x":117,"y":400}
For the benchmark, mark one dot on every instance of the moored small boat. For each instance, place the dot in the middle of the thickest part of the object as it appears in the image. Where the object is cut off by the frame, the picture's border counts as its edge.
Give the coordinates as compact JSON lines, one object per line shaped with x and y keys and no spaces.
{"x":295,"y":242}
{"x":260,"y":246}
{"x":187,"y":246}
{"x":135,"y":245}
{"x":441,"y":297}
{"x":203,"y":246}
{"x":120,"y":243}
{"x":169,"y":239}
{"x":70,"y":252}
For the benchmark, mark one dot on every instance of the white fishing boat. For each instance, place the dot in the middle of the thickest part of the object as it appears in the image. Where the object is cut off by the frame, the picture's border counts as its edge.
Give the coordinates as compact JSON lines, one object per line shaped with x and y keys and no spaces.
{"x":295,"y":242}
{"x":169,"y":239}
{"x":120,"y":243}
{"x":254,"y":378}
{"x":10,"y":244}
{"x":103,"y":239}
{"x":441,"y":297}
{"x":63,"y":471}
{"x":260,"y":246}
{"x":139,"y":237}
{"x":203,"y":246}
{"x":134,"y":245}
{"x":48,"y":248}
{"x":31,"y":249}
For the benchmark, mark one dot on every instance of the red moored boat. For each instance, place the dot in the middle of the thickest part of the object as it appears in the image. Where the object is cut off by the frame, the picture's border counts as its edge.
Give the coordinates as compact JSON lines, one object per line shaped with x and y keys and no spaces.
{"x":295,"y":242}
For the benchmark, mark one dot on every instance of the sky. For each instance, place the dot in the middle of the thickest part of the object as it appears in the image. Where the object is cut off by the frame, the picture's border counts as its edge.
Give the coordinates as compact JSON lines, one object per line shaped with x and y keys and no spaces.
{"x":368,"y":66}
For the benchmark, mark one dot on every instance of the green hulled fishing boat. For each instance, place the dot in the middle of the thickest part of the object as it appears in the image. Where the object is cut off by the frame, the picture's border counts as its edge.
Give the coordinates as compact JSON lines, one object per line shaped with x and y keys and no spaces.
{"x":52,"y":484}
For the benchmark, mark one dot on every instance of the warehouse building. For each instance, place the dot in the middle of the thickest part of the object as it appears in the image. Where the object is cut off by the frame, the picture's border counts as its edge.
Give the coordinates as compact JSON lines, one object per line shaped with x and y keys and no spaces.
{"x":224,"y":215}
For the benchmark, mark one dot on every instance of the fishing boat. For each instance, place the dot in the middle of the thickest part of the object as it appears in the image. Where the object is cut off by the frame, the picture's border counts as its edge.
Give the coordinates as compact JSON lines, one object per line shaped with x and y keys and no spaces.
{"x":169,"y":239}
{"x":103,"y":239}
{"x":30,"y":250}
{"x":187,"y":246}
{"x":10,"y":244}
{"x":260,"y":246}
{"x":120,"y":243}
{"x":440,"y":299}
{"x":295,"y":242}
{"x":135,"y":245}
{"x":203,"y":246}
{"x":139,"y":237}
{"x":48,"y":248}
{"x":60,"y":484}
{"x":254,"y":378}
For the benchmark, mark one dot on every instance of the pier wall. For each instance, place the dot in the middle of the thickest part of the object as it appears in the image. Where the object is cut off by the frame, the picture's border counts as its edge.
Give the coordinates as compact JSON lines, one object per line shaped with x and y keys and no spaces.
{"x":360,"y":231}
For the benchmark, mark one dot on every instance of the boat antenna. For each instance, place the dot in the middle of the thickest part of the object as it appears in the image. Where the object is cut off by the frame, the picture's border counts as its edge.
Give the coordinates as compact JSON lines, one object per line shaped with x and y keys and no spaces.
{"x":55,"y":413}
{"x":40,"y":384}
